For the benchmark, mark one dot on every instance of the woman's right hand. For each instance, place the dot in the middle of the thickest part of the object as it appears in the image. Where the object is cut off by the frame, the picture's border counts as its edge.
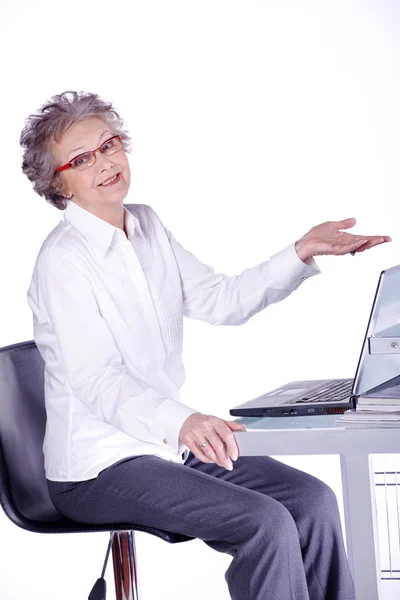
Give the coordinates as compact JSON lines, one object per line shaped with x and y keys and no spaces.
{"x":199,"y":428}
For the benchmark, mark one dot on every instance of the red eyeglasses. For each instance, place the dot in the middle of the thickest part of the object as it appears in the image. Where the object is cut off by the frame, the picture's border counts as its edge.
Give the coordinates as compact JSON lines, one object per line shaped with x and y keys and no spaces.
{"x":87,"y":159}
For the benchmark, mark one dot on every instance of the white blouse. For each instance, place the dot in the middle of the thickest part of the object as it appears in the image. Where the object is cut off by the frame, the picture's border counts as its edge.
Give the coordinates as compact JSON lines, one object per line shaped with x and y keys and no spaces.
{"x":108,"y":322}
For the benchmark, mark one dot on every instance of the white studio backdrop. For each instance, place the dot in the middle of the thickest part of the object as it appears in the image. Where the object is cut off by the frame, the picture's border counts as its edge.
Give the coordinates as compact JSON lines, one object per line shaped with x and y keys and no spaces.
{"x":251,"y":122}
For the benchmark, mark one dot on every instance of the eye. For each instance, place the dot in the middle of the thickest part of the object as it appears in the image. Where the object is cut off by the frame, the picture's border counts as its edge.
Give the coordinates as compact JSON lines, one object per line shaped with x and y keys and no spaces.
{"x":107,"y":145}
{"x":81,"y":160}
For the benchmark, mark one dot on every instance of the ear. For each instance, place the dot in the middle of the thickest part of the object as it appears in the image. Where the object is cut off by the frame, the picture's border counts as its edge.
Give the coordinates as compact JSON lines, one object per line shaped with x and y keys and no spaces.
{"x":67,"y":196}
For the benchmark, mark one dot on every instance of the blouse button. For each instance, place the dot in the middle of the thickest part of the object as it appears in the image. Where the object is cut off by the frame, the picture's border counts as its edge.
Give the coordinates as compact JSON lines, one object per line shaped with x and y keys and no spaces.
{"x":165,"y":441}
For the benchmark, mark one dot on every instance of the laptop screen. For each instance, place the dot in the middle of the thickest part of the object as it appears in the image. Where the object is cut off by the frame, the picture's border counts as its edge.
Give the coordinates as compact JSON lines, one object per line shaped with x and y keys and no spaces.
{"x":379,"y":362}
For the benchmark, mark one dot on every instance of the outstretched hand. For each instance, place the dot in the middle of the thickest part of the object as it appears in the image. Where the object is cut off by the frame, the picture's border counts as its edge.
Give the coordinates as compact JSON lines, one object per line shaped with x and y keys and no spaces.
{"x":327,"y":238}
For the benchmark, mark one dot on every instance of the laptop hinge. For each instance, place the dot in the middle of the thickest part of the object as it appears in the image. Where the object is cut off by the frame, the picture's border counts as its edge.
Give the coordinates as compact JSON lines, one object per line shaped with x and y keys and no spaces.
{"x":384,"y":345}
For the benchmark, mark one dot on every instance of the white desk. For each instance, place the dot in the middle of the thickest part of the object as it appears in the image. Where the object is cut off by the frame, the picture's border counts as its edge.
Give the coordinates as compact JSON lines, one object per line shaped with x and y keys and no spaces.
{"x":319,"y":435}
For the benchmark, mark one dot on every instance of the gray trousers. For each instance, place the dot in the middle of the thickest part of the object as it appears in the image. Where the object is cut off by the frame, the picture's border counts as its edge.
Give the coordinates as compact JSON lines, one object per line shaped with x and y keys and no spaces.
{"x":280,"y":525}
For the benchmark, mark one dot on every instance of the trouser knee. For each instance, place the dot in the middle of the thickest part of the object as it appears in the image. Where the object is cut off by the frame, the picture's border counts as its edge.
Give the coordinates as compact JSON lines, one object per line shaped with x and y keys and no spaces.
{"x":271,"y":521}
{"x":318,"y":502}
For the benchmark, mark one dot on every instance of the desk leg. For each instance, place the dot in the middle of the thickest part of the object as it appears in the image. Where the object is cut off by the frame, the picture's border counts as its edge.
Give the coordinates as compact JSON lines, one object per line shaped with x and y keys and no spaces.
{"x":361,"y":525}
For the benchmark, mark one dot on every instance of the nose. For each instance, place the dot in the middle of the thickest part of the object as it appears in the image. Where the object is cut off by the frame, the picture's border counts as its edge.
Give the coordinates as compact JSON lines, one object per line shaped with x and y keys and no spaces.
{"x":103,"y":161}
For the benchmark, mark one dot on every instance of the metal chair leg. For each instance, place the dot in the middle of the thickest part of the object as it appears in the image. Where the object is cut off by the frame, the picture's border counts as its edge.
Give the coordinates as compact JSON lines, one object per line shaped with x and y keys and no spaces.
{"x":124,"y":561}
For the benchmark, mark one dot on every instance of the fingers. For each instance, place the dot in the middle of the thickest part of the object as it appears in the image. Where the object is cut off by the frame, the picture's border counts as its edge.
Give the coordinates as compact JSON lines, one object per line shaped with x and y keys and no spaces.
{"x":327,"y":238}
{"x":216,"y":434}
{"x":232,"y":447}
{"x":346,"y":243}
{"x":374,"y":240}
{"x":342,"y":245}
{"x":235,"y":426}
{"x":371,"y":242}
{"x":221,"y":446}
{"x":354,"y":244}
{"x":194,"y":448}
{"x":346,"y":223}
{"x":217,"y":451}
{"x":229,"y":441}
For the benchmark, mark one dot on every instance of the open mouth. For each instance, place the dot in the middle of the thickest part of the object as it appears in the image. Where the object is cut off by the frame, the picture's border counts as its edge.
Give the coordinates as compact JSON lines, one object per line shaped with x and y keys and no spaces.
{"x":111,"y":180}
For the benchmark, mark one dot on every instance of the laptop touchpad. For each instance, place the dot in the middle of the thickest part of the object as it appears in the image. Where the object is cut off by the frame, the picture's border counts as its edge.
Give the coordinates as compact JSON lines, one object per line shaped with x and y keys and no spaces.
{"x":286,"y":395}
{"x":290,"y":392}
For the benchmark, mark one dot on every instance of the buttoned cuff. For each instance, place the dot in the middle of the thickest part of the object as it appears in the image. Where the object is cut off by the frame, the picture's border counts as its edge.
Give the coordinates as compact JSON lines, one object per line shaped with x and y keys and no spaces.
{"x":171,"y":415}
{"x":288,"y":270}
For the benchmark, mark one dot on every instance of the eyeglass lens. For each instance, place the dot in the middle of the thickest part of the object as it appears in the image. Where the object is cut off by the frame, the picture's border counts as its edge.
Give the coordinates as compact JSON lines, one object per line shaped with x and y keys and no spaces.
{"x":88,"y":158}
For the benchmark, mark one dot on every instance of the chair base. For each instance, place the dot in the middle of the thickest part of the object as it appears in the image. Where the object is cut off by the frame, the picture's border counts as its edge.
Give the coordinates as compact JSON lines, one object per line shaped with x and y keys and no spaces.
{"x":125,"y":567}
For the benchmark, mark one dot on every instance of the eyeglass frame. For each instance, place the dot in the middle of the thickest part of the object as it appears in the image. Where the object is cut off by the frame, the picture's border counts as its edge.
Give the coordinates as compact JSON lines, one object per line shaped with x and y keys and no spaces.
{"x":69,"y":165}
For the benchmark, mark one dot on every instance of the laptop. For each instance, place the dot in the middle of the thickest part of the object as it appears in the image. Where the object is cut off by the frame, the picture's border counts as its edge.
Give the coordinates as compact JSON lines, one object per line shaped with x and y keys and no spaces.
{"x":378,"y":368}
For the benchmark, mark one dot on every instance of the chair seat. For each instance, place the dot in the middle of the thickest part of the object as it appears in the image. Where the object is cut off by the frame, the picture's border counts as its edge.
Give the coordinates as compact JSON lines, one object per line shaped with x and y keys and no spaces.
{"x":55,"y":523}
{"x":67,"y":526}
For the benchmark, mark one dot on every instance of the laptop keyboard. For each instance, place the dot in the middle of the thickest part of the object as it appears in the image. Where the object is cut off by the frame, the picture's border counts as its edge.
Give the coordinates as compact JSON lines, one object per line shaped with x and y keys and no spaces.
{"x":334,"y":391}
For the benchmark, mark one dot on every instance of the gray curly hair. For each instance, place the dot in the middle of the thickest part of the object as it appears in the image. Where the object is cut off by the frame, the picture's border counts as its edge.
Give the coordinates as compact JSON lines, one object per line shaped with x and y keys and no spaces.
{"x":51,"y":122}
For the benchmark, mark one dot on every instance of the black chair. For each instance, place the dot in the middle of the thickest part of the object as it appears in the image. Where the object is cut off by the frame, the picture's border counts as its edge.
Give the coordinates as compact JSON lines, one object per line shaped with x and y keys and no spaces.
{"x":24,"y":496}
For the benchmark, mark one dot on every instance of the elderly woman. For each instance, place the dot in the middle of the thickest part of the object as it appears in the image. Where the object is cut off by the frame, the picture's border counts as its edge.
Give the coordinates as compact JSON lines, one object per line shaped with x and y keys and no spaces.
{"x":108,"y":293}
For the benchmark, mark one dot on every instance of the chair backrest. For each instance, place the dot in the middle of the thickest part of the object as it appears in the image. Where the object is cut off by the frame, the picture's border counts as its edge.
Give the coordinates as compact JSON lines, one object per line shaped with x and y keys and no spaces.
{"x":23,"y":487}
{"x":24,"y":495}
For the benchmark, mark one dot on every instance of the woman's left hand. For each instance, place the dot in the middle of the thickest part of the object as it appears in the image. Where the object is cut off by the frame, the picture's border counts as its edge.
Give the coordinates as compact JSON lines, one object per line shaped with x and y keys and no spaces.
{"x":327,"y":239}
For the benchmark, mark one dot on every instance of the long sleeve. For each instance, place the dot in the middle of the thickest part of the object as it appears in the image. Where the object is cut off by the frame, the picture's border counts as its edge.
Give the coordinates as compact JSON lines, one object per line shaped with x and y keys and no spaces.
{"x":222,"y":300}
{"x":93,"y":365}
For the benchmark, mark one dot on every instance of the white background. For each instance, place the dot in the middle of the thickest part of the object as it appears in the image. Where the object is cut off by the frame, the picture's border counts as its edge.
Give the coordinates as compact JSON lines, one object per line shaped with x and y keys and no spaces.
{"x":251,"y":122}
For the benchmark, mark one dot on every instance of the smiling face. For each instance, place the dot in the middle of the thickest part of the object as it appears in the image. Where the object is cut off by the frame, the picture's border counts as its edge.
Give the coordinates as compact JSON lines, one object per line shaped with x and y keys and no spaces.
{"x":86,"y":185}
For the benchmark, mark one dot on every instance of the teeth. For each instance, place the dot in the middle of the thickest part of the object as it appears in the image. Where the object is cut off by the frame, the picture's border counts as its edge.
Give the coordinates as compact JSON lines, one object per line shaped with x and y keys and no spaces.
{"x":110,"y":180}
